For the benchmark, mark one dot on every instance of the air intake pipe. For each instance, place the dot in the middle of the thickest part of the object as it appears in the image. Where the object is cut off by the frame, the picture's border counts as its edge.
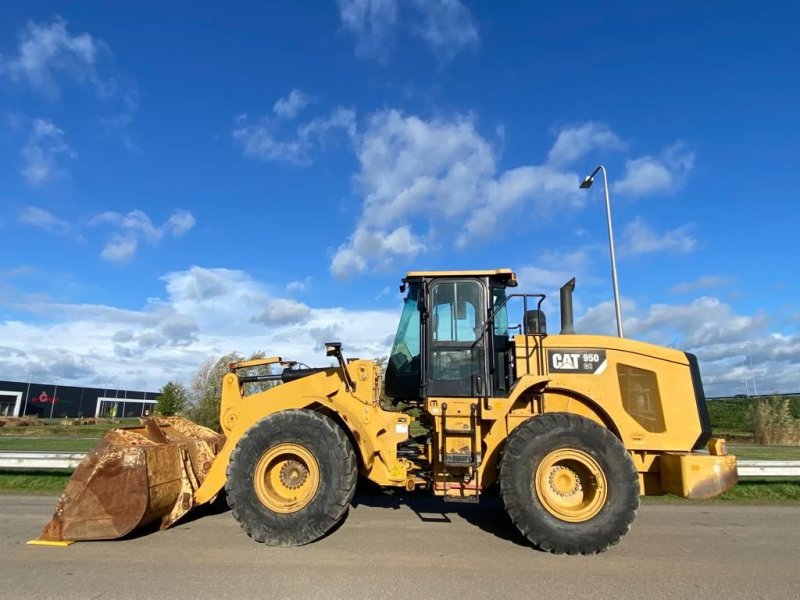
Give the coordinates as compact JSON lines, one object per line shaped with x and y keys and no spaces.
{"x":567,"y":326}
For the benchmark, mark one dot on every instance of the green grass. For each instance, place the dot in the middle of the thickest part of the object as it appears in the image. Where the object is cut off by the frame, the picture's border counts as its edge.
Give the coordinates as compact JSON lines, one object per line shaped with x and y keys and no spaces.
{"x":747,"y":491}
{"x":765,"y":452}
{"x":55,"y":429}
{"x":54,"y":444}
{"x":40,"y":482}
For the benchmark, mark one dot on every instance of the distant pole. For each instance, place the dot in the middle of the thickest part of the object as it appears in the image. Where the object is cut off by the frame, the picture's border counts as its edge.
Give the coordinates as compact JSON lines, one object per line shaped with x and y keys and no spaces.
{"x":746,"y":389}
{"x":752,"y":373}
{"x":27,"y":393}
{"x":587,"y":183}
{"x":53,"y":399}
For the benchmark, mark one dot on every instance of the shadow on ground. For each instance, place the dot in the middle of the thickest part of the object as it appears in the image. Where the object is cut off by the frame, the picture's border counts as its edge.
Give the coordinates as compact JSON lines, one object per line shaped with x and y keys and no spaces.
{"x":488,"y":514}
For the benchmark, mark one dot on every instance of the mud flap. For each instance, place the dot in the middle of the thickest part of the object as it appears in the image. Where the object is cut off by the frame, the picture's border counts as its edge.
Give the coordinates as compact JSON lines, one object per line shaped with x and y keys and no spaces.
{"x":133,"y":477}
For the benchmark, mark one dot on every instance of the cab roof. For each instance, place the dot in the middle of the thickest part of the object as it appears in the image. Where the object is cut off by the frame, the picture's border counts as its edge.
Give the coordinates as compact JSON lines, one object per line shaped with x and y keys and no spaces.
{"x":506,"y":275}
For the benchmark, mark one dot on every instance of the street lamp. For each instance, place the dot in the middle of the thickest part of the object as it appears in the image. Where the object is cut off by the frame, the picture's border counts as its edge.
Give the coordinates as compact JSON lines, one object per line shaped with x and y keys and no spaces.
{"x":586,"y":184}
{"x":752,"y":373}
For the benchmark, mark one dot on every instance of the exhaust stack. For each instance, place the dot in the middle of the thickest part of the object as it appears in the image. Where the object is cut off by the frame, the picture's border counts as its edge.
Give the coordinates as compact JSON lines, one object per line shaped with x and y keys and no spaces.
{"x":567,"y":326}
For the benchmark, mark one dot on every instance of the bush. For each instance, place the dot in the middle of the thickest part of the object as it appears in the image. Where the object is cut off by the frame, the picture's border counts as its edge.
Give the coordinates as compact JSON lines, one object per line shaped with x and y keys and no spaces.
{"x":730,"y":416}
{"x":773,"y":422}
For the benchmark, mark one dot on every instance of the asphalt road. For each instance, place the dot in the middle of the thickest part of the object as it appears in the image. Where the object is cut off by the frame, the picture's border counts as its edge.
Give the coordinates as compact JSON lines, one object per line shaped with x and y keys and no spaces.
{"x":387,"y":549}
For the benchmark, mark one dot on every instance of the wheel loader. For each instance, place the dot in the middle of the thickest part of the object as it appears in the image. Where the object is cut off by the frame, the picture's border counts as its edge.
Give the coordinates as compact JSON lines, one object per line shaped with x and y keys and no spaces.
{"x":569,"y":429}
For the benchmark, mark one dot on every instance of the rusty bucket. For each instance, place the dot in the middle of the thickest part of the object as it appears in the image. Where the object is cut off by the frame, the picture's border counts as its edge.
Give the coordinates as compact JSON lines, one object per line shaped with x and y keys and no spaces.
{"x":134,"y":476}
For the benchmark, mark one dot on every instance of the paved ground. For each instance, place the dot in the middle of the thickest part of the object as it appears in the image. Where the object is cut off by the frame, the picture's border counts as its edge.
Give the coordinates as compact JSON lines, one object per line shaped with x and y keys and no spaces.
{"x":388,"y":550}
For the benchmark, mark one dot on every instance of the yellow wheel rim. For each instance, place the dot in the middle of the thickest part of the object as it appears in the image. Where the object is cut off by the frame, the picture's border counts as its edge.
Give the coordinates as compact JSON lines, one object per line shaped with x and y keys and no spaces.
{"x":571,"y":485}
{"x":286,"y":478}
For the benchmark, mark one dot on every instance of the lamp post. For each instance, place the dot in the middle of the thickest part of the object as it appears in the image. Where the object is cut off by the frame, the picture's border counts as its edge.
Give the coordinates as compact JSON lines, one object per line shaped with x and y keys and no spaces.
{"x":586,"y":184}
{"x":752,"y":373}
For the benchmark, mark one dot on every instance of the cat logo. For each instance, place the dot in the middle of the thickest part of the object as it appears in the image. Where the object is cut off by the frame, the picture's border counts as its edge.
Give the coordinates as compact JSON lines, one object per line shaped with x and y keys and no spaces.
{"x":565,"y":361}
{"x":590,"y":361}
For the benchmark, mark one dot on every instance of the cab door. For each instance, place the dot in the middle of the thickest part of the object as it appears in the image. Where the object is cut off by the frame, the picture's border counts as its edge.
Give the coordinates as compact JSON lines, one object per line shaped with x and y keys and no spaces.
{"x":455,"y":339}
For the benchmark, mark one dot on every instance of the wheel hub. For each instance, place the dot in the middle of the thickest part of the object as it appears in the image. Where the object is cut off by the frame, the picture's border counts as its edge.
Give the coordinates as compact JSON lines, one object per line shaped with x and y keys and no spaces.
{"x":293,"y":474}
{"x":564,"y":481}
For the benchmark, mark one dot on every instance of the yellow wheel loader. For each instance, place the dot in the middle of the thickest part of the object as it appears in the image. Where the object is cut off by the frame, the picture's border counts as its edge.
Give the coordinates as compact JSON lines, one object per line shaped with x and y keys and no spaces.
{"x":570,"y":429}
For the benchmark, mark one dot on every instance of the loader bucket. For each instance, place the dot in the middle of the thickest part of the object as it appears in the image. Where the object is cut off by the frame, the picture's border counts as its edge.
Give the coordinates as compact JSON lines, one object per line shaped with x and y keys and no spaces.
{"x":134,"y":476}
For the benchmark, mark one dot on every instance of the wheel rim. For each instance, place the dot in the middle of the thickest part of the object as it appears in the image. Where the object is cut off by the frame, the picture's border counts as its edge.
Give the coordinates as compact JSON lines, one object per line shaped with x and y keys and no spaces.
{"x":571,"y":485}
{"x":286,"y":478}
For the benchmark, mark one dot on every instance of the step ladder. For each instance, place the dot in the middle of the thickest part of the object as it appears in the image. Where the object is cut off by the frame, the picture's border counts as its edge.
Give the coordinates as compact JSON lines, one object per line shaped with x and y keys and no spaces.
{"x":469,"y":461}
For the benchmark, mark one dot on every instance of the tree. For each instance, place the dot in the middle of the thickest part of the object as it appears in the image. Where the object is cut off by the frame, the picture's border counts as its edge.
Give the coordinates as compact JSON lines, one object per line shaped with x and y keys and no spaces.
{"x":171,"y":399}
{"x":205,"y":390}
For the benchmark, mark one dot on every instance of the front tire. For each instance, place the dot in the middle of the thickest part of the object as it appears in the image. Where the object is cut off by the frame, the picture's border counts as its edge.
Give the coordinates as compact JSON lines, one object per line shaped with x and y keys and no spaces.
{"x":568,"y":484}
{"x":291,"y":478}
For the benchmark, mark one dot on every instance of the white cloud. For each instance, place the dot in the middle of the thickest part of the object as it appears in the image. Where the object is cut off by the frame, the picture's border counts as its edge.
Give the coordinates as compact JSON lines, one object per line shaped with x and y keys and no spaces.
{"x":283,"y":311}
{"x":372,"y":23}
{"x":203,"y":313}
{"x":374,"y":251}
{"x":299,"y":285}
{"x":41,"y":153}
{"x":640,"y":238}
{"x":48,"y":48}
{"x":446,"y":26}
{"x":711,"y":329}
{"x":135,"y":227}
{"x":652,"y":175}
{"x":292,"y":104}
{"x":702,"y":282}
{"x":48,"y":53}
{"x":265,"y":138}
{"x":575,"y":141}
{"x":43,"y":219}
{"x":415,"y":171}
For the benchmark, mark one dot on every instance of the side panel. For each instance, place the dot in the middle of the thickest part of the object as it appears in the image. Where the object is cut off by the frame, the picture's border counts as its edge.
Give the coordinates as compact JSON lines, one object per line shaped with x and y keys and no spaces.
{"x":647,"y":391}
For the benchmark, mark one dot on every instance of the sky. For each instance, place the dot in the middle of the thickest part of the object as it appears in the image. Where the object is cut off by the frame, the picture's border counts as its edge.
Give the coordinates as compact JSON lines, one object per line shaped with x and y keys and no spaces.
{"x":181,"y":180}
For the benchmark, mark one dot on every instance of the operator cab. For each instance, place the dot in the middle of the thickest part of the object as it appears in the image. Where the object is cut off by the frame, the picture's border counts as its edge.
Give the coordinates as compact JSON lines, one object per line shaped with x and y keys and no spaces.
{"x":453,"y":338}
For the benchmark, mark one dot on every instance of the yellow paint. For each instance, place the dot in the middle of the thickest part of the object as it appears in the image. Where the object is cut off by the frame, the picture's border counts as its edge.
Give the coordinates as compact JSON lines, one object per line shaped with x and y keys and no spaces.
{"x":59,"y":543}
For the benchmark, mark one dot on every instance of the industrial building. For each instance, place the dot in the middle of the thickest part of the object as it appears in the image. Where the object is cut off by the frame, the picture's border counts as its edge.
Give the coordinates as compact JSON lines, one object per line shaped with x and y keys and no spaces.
{"x":49,"y":400}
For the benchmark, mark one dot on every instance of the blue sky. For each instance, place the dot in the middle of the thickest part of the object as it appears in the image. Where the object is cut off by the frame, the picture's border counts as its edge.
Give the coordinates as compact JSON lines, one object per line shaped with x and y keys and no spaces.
{"x":186,"y":180}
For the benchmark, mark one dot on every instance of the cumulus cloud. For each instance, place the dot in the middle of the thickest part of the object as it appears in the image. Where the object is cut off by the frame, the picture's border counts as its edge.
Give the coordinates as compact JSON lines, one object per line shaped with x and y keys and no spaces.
{"x":446,"y":26}
{"x":283,"y":311}
{"x":714,"y":331}
{"x":45,"y":146}
{"x":202,"y":313}
{"x":640,"y":238}
{"x":135,"y":227}
{"x":575,"y":141}
{"x":656,"y":174}
{"x":272,"y":138}
{"x":413,"y":171}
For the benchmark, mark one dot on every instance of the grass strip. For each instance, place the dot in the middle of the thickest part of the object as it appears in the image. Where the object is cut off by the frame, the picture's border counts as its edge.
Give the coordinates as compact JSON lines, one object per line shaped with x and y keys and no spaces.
{"x":747,"y":491}
{"x":33,"y":482}
{"x":47,"y":444}
{"x":746,"y":452}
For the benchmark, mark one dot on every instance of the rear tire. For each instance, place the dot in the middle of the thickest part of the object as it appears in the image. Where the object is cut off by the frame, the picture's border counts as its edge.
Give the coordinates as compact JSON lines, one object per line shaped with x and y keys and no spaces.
{"x":291,"y":478}
{"x":568,"y":484}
